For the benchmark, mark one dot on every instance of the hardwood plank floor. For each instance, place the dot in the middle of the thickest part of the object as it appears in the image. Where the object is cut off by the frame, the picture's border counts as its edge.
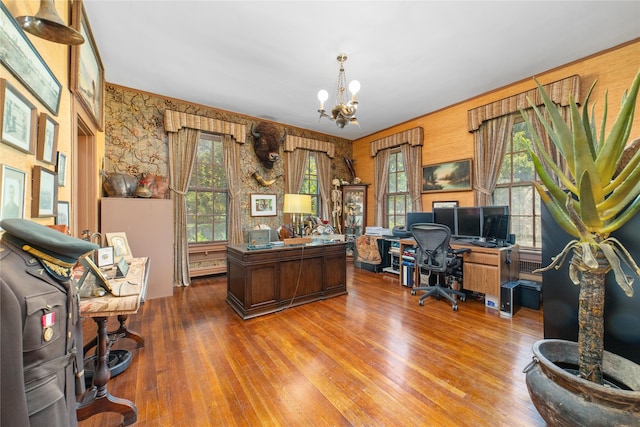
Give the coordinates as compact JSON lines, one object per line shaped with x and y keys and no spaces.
{"x":371,"y":358}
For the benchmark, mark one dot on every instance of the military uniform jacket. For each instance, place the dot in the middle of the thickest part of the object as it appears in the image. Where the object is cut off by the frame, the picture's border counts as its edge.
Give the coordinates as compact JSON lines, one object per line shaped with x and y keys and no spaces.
{"x":40,"y":330}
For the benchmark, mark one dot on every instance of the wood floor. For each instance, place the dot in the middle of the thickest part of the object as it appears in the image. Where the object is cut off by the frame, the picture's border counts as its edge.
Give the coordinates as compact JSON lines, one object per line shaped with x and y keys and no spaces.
{"x":371,"y":358}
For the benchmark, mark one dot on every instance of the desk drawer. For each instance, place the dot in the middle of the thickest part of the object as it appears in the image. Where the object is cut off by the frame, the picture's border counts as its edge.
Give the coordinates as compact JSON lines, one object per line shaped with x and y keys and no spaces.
{"x":482,"y":258}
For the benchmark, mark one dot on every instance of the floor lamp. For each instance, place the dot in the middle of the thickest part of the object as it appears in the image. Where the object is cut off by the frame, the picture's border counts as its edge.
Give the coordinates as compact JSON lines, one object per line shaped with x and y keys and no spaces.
{"x":297,"y":205}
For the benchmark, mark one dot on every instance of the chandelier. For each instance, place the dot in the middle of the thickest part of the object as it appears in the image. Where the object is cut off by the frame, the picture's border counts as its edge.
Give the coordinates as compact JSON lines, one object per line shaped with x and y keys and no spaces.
{"x":343,"y":113}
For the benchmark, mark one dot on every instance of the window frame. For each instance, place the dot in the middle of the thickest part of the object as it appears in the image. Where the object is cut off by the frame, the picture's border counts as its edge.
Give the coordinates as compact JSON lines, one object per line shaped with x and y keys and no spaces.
{"x":389,"y":213}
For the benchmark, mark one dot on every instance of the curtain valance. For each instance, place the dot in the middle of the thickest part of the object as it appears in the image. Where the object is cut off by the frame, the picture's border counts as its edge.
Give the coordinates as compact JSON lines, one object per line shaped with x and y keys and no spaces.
{"x":413,"y":137}
{"x":292,"y":142}
{"x":176,"y":120}
{"x":559,"y":92}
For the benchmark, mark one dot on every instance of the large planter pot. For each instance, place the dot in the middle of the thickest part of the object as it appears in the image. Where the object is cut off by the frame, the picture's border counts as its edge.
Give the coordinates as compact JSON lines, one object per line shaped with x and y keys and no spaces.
{"x":564,"y":399}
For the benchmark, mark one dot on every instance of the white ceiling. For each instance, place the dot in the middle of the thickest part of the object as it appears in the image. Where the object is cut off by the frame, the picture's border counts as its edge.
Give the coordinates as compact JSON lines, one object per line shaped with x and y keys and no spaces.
{"x":268,"y":59}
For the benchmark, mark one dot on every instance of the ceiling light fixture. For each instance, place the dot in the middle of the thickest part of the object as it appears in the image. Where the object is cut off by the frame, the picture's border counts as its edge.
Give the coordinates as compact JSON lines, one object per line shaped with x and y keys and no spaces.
{"x":342,"y":113}
{"x":48,"y":25}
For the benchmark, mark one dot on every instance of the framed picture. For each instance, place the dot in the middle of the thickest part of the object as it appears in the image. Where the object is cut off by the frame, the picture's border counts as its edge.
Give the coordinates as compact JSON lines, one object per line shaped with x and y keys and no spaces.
{"x":23,"y":61}
{"x":18,"y":118}
{"x":92,"y":268}
{"x":104,"y":256}
{"x":436,"y":205}
{"x":120,"y":245}
{"x":47,"y":139}
{"x":87,"y":71}
{"x":263,"y":205}
{"x":12,"y":184}
{"x":451,"y":176}
{"x":45,"y":193}
{"x":62,"y":217}
{"x":61,"y":169}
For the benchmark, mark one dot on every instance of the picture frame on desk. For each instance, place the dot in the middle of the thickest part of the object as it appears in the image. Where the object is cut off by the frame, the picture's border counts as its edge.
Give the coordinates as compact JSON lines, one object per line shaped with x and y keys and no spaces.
{"x":104,"y":256}
{"x":92,"y":268}
{"x":120,"y":245}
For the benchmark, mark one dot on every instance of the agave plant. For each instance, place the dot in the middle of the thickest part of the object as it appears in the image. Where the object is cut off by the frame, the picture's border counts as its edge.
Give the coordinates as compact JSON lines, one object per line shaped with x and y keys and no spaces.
{"x":597,"y":196}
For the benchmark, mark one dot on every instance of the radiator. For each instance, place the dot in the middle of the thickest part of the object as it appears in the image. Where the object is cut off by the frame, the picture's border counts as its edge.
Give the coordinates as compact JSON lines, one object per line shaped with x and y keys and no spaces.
{"x":529,"y":266}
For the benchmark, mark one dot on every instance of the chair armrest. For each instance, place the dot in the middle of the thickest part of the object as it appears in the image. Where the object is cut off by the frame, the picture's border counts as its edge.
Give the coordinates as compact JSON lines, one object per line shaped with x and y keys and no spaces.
{"x":460,"y":251}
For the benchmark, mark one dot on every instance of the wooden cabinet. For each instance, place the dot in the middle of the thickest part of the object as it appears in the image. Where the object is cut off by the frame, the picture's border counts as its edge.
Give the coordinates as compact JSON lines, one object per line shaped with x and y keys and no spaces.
{"x":354,"y":209}
{"x":486,"y":269}
{"x":265,"y":281}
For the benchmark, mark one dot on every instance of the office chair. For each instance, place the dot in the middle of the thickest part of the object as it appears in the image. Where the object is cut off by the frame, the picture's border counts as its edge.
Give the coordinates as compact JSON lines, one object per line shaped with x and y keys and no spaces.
{"x":434,"y":255}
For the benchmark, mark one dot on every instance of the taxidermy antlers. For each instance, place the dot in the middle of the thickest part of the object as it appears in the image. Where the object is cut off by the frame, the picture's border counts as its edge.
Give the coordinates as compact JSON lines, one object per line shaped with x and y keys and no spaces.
{"x":266,"y":143}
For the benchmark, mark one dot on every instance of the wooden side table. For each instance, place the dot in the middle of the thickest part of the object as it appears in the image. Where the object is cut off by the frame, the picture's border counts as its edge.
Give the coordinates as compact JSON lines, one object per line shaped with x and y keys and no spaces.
{"x":131,"y":288}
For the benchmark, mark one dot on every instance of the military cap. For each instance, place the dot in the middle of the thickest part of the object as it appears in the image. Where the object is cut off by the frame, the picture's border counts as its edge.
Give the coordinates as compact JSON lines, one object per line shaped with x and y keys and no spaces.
{"x":57,"y":251}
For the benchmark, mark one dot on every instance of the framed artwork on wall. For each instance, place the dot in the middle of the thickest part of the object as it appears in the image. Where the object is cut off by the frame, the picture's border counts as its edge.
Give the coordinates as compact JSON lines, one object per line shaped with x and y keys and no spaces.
{"x":44,"y":193}
{"x":18,"y":118}
{"x":87,"y":71}
{"x":263,"y":205}
{"x":47,"y":139}
{"x":12,"y":186}
{"x":62,"y":217}
{"x":61,"y":169}
{"x":23,"y":61}
{"x":450,"y":176}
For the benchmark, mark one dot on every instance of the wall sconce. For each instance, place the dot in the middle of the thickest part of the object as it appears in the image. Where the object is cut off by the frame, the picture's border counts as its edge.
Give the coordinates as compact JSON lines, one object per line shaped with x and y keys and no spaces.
{"x":48,"y":25}
{"x":297,"y":205}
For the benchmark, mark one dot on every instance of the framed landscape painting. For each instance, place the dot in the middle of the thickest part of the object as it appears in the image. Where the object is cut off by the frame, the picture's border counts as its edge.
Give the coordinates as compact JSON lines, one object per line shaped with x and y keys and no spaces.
{"x":450,"y":176}
{"x":263,"y":205}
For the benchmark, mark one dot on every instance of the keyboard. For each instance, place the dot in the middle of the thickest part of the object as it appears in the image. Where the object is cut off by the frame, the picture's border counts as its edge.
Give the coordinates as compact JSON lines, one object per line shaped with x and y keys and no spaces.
{"x":484,"y":244}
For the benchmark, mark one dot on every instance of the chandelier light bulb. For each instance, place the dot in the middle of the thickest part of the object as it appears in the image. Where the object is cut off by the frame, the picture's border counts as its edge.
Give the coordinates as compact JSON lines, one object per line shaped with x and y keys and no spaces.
{"x":354,"y":87}
{"x":323,"y":95}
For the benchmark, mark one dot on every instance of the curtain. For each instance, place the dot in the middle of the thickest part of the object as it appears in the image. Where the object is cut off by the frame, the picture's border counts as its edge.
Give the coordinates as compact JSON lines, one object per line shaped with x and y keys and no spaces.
{"x":380,"y":177}
{"x":182,"y":153}
{"x":412,"y":156}
{"x":490,"y":143}
{"x":234,"y":187}
{"x":324,"y":184}
{"x":296,"y":161}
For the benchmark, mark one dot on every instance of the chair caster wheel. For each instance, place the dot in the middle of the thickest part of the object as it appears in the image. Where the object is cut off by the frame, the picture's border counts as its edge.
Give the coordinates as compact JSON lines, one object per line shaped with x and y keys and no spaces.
{"x":413,"y":292}
{"x":421,"y":303}
{"x":455,"y":307}
{"x":463,"y":299}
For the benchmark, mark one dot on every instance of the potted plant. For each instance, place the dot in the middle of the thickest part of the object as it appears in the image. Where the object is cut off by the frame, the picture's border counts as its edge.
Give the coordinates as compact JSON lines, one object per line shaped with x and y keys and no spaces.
{"x":598,"y":195}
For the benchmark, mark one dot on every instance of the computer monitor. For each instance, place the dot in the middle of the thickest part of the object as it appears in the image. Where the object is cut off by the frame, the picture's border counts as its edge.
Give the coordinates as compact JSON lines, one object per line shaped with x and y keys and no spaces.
{"x":493,"y":211}
{"x":469,"y":220}
{"x":417,"y":218}
{"x":496,"y":228}
{"x":446,"y":216}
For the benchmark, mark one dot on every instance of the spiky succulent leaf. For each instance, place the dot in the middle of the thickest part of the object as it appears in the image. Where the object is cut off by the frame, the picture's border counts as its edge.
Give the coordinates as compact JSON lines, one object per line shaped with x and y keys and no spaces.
{"x":558,"y":211}
{"x":584,"y":161}
{"x":588,"y":209}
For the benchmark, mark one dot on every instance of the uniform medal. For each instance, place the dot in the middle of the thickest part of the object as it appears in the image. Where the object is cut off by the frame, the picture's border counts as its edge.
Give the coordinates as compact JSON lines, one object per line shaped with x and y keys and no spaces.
{"x":48,"y":320}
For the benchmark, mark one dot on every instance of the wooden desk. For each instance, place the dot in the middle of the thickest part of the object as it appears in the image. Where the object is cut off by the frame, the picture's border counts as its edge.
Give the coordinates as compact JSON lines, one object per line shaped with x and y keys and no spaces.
{"x":132,"y":287}
{"x":265,"y":281}
{"x":484,"y":269}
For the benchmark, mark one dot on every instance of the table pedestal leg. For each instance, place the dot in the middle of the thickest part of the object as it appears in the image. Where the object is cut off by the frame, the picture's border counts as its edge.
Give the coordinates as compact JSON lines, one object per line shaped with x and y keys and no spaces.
{"x":121,"y":332}
{"x":103,"y":401}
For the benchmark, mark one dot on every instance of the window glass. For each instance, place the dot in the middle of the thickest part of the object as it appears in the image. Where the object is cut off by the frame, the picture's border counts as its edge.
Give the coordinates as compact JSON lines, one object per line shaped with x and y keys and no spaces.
{"x":397,"y":197}
{"x":207,"y":197}
{"x":310,"y":183}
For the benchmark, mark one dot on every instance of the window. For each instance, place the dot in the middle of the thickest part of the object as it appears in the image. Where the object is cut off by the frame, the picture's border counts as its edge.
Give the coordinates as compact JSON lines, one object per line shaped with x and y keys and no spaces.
{"x":515,"y":189}
{"x":397,"y":198}
{"x":310,"y":183}
{"x":207,"y":197}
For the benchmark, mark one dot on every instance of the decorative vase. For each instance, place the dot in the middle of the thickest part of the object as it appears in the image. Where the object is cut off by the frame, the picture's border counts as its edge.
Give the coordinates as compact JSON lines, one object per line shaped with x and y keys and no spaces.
{"x":143,"y":191}
{"x":564,"y":399}
{"x":120,"y":185}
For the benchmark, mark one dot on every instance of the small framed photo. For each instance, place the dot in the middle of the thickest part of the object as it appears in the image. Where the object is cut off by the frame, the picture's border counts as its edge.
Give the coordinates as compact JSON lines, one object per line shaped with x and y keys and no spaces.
{"x":12,"y":185}
{"x":47,"y":139}
{"x":120,"y":246}
{"x":45,"y":193}
{"x":62,"y":217}
{"x":18,"y":118}
{"x":450,"y":204}
{"x":61,"y":169}
{"x":450,"y":176}
{"x":104,"y":256}
{"x":263,"y":205}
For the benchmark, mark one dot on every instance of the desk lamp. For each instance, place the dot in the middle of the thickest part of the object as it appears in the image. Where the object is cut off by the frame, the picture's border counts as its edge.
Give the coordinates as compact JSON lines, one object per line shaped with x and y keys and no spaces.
{"x":297,"y":205}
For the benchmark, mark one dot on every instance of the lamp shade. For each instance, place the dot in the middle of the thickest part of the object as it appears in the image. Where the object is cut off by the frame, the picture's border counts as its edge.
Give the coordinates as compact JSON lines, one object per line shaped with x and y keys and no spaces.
{"x":297,"y":203}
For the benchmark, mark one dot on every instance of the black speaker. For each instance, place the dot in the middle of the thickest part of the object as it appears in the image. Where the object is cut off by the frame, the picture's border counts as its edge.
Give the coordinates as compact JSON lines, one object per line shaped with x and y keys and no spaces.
{"x":512,"y":239}
{"x":509,"y":298}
